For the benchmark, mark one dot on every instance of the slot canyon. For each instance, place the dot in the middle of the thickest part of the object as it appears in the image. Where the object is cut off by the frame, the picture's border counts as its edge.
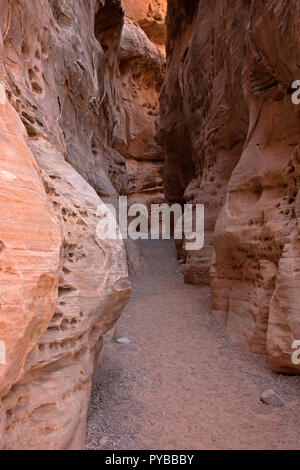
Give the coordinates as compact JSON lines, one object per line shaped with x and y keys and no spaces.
{"x":164,"y":102}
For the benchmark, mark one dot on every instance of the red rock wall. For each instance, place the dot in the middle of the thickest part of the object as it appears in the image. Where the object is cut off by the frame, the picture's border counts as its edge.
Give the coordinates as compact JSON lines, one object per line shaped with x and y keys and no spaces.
{"x":61,"y":287}
{"x":231,"y":141}
{"x":140,"y":73}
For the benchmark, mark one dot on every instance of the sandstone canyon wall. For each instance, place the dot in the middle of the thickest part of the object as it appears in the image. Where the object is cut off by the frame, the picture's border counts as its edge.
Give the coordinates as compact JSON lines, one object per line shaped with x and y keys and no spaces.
{"x":61,"y":287}
{"x":141,"y":68}
{"x":231,"y":140}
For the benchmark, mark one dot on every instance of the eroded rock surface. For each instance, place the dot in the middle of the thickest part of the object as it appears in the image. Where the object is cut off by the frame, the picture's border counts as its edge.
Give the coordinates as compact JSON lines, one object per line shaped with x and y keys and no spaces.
{"x":231,"y":141}
{"x":29,"y":256}
{"x":61,"y":287}
{"x":150,"y":16}
{"x":141,"y":67}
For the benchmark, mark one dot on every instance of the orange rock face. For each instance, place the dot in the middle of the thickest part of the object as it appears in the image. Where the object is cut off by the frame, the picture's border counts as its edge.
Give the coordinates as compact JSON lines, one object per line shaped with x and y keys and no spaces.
{"x":61,"y":287}
{"x":30,"y":243}
{"x":141,"y":67}
{"x":231,"y":141}
{"x":150,"y":16}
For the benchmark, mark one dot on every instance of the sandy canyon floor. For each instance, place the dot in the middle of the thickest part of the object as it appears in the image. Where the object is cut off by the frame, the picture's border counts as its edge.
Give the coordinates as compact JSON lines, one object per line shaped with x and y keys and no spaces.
{"x":181,"y":383}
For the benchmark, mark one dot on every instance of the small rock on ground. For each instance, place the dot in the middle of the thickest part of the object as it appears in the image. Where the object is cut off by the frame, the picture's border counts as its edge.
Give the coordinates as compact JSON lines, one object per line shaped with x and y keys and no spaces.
{"x":271,"y":398}
{"x":123,"y":341}
{"x":104,"y":440}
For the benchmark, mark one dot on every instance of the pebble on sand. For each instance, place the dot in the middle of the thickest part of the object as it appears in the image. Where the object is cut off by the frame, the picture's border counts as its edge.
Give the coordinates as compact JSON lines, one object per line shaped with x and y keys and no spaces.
{"x":123,"y":341}
{"x":104,"y":440}
{"x":271,"y":398}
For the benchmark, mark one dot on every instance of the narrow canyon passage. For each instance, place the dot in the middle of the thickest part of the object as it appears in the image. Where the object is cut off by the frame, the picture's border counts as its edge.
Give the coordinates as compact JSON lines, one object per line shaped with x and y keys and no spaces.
{"x":157,"y":102}
{"x":181,"y":383}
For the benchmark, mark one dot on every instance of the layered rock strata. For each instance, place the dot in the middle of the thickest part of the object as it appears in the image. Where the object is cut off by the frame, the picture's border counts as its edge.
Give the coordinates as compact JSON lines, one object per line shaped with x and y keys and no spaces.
{"x":141,"y":67}
{"x":62,"y":288}
{"x":231,"y":141}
